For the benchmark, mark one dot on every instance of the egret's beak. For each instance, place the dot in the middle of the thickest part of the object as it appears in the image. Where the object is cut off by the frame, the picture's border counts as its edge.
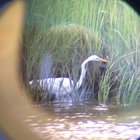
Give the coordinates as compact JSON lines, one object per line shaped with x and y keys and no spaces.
{"x":103,"y":60}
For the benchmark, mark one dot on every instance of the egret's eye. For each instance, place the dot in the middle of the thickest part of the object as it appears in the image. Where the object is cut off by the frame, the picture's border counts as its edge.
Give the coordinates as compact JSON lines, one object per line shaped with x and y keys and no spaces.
{"x":97,"y":59}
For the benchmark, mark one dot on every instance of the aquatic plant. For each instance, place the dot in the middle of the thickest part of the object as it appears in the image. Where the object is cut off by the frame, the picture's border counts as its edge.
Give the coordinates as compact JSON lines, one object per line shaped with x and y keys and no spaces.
{"x":73,"y":30}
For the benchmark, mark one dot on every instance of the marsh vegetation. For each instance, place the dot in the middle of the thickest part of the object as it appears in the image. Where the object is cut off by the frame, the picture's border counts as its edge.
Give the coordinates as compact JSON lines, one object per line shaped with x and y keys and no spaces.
{"x":69,"y":32}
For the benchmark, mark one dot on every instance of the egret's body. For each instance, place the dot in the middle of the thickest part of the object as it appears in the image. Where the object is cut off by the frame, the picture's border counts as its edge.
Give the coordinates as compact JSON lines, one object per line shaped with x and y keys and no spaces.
{"x":61,"y":86}
{"x":55,"y":86}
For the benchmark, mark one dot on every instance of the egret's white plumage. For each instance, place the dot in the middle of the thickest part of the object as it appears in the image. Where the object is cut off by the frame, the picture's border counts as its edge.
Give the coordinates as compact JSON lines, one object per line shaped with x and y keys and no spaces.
{"x":61,"y":86}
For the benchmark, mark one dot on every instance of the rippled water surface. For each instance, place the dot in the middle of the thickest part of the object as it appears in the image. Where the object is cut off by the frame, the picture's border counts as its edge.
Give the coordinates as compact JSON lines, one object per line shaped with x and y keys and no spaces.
{"x":87,"y":121}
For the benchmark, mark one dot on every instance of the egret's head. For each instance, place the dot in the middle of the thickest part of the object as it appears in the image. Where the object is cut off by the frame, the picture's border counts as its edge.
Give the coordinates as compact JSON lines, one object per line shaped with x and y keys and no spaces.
{"x":96,"y":58}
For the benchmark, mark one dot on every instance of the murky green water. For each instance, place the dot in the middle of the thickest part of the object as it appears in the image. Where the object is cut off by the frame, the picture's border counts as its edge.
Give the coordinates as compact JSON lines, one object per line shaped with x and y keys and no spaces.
{"x":87,"y":121}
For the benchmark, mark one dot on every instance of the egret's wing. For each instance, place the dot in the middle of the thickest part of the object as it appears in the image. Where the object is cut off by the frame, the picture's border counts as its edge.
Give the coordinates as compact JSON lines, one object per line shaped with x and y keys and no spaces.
{"x":59,"y":85}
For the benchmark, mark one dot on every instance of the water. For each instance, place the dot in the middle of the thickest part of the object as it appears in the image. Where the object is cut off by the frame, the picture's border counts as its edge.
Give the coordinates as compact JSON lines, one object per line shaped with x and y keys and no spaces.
{"x":88,"y":121}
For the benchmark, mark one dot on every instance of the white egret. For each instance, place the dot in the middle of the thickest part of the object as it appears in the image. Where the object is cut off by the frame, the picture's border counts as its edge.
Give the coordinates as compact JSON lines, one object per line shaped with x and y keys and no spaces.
{"x":63,"y":85}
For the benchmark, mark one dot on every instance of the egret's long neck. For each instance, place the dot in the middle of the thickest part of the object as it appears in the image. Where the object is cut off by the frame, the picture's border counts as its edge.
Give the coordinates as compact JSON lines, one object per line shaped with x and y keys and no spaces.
{"x":83,"y":74}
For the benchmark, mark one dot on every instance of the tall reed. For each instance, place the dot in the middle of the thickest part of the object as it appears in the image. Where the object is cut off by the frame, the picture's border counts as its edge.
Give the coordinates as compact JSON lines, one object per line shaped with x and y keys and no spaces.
{"x":76,"y":29}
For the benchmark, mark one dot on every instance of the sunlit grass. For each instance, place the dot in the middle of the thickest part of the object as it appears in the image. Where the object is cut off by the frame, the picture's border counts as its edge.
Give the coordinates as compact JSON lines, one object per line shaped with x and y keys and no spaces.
{"x":72,"y":30}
